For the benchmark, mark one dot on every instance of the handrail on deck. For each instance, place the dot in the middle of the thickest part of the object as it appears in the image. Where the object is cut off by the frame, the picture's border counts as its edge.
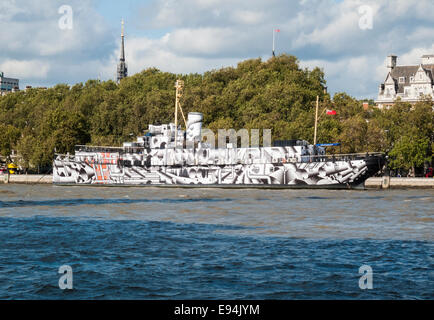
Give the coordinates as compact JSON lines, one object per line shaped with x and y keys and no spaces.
{"x":349,"y":154}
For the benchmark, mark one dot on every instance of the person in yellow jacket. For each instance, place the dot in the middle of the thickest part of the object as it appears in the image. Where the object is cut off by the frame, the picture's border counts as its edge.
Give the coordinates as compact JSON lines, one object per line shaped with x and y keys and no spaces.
{"x":12,"y":168}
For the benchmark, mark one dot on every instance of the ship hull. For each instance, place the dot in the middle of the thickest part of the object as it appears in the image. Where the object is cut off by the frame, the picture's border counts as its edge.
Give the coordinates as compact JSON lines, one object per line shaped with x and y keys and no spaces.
{"x":220,"y":186}
{"x":110,"y":171}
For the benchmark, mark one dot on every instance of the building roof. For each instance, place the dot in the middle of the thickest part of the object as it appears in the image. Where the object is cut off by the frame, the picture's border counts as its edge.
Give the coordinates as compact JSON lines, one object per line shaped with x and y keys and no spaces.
{"x":3,"y":78}
{"x":9,"y":79}
{"x":409,"y":71}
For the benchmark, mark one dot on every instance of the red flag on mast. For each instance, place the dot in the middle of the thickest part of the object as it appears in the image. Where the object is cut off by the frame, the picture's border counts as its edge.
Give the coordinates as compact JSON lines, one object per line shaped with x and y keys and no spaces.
{"x":331,"y":112}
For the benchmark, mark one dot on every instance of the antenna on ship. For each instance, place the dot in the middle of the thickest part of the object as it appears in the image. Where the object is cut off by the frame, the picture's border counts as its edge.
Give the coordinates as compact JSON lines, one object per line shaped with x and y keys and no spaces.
{"x":179,"y":85}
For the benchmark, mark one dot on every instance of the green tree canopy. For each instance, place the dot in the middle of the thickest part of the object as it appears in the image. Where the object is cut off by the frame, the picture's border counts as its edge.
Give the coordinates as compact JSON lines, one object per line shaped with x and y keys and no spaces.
{"x":276,"y":94}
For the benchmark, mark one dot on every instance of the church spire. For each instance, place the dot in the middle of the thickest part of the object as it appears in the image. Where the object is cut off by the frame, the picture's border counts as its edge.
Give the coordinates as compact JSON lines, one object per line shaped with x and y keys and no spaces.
{"x":122,"y":37}
{"x":122,"y":66}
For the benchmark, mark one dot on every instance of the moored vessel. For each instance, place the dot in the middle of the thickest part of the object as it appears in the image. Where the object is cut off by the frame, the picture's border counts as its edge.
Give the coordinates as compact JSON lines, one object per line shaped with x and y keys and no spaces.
{"x":169,"y":156}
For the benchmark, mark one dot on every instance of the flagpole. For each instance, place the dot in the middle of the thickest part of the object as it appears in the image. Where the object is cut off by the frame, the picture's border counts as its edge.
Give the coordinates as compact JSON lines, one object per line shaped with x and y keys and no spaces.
{"x":316,"y":120}
{"x":273,"y":44}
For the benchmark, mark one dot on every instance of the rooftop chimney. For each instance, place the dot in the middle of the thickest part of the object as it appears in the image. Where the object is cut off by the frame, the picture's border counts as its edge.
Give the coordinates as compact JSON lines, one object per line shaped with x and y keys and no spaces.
{"x":428,"y":59}
{"x":391,"y":62}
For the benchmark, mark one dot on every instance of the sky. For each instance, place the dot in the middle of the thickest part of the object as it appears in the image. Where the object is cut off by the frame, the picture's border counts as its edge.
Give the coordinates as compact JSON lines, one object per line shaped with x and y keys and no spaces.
{"x":44,"y":44}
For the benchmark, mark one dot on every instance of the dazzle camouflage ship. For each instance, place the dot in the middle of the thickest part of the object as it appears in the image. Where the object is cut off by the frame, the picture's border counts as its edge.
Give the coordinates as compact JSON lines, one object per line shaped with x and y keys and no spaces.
{"x":167,"y":156}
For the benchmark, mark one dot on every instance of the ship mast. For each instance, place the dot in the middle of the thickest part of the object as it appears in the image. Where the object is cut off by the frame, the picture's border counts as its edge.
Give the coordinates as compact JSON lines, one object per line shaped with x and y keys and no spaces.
{"x":316,"y":120}
{"x":179,"y":85}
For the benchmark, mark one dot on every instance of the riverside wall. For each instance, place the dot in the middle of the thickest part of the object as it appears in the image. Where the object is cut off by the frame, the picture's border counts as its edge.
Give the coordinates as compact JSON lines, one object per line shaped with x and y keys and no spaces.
{"x":397,"y":183}
{"x":27,"y":178}
{"x":371,"y":183}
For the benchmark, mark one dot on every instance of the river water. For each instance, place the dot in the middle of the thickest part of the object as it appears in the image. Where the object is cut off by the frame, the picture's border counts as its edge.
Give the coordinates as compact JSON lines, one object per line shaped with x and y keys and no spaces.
{"x":164,"y":243}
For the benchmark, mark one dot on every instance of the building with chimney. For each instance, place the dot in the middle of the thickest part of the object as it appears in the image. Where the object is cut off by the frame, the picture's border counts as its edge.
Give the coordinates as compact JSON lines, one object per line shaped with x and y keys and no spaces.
{"x":122,"y":71}
{"x":409,"y":83}
{"x":8,"y":84}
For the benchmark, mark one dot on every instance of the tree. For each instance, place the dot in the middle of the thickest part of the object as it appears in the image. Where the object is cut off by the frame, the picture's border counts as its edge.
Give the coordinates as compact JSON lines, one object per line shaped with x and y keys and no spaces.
{"x":25,"y":147}
{"x":8,"y":138}
{"x":353,"y":135}
{"x":275,"y":94}
{"x":409,"y":152}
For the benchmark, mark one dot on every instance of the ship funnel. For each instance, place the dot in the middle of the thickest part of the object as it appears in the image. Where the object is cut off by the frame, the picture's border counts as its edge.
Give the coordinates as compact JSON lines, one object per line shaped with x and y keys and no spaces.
{"x":194,"y":126}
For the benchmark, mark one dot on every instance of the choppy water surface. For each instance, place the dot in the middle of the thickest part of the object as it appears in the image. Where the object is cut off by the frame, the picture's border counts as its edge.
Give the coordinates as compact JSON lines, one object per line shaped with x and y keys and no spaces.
{"x":151,"y":243}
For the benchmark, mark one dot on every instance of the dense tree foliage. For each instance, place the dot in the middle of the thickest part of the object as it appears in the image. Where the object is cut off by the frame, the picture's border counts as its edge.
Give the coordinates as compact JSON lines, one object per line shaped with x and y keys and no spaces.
{"x":276,"y":94}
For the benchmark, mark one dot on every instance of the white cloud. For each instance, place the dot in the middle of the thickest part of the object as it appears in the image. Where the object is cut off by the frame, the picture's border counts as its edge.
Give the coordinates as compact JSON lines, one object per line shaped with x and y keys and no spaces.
{"x":202,"y":41}
{"x":413,"y":57}
{"x":351,"y":71}
{"x":248,"y":16}
{"x":38,"y":51}
{"x":143,"y":53}
{"x":32,"y":69}
{"x":200,"y":35}
{"x":319,"y":32}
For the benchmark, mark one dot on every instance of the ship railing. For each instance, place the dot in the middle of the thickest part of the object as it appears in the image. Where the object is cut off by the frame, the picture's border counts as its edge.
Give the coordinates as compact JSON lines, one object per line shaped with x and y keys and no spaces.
{"x":80,"y":148}
{"x":64,"y":157}
{"x":112,"y":158}
{"x":340,"y":157}
{"x":105,"y":149}
{"x":90,"y":159}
